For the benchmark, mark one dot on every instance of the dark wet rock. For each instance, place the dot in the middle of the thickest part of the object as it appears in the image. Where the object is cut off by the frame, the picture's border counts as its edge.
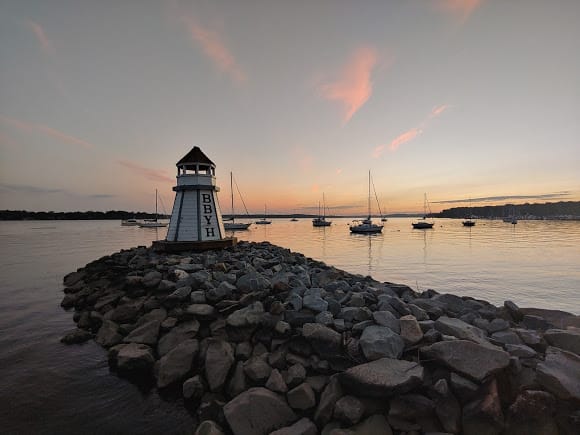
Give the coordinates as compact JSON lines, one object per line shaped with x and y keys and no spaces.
{"x":463,"y":388}
{"x":384,"y":377}
{"x":193,"y":388}
{"x":536,"y":323}
{"x":520,"y":350}
{"x":108,"y":334}
{"x":468,"y":358}
{"x":514,"y":311}
{"x":74,"y":278}
{"x":248,"y":316}
{"x":532,"y":413}
{"x":177,"y":363}
{"x":198,"y":297}
{"x":237,"y":382}
{"x":349,"y":410}
{"x":209,"y":427}
{"x":302,"y":427}
{"x":134,"y":359}
{"x":252,"y":282}
{"x":301,"y":397}
{"x":317,"y":382}
{"x":295,"y":375}
{"x":529,"y":337}
{"x":152,"y":279}
{"x":505,"y":337}
{"x":388,"y":319}
{"x":559,"y":374}
{"x":330,"y":395}
{"x":410,"y":330}
{"x":222,"y":291}
{"x":181,"y":332}
{"x":313,"y":300}
{"x":376,"y":424}
{"x":447,"y":407}
{"x":325,"y":318}
{"x":497,"y":325}
{"x":257,"y":369}
{"x":144,"y":334}
{"x":380,"y":342}
{"x":165,"y":286}
{"x":126,"y":313}
{"x":180,"y":294}
{"x":219,"y":359}
{"x":564,"y":339}
{"x":76,"y":336}
{"x":484,"y":415}
{"x":325,"y":341}
{"x":298,"y":318}
{"x":276,"y":383}
{"x":201,"y":311}
{"x":258,"y":411}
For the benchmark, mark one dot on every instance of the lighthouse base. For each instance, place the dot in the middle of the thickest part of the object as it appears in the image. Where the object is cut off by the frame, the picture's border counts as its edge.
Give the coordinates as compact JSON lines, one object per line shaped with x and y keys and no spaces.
{"x":206,"y":245}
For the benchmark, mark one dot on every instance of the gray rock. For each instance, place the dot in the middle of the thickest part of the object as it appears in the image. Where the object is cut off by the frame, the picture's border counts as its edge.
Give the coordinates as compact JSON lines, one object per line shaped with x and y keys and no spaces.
{"x":219,"y":359}
{"x":484,"y":416}
{"x":108,"y":334}
{"x":282,"y":327}
{"x":520,"y":350}
{"x":243,"y":350}
{"x":209,"y":427}
{"x":328,"y":399}
{"x":301,"y":397}
{"x":222,"y":291}
{"x":536,"y":323}
{"x":497,"y":325}
{"x":356,"y":300}
{"x":181,"y":332}
{"x":295,"y":375}
{"x":257,"y":369}
{"x":302,"y":427}
{"x":460,"y":329}
{"x":532,"y":413}
{"x":180,"y":294}
{"x":166,"y":286}
{"x":349,"y":410}
{"x":514,"y":311}
{"x":198,"y":297}
{"x":410,"y":330}
{"x":314,"y":303}
{"x":376,"y":424}
{"x":384,"y":377}
{"x":203,"y":311}
{"x":193,"y":388}
{"x":177,"y":363}
{"x":529,"y":337}
{"x":379,"y":342}
{"x":294,"y":302}
{"x":76,"y":336}
{"x":159,"y":314}
{"x":134,"y":359}
{"x":447,"y":407}
{"x":199,"y":279}
{"x":325,"y":318}
{"x":276,"y":383}
{"x":359,"y":327}
{"x":388,"y":319}
{"x":565,"y":339}
{"x":463,"y":388}
{"x":126,"y":313}
{"x":152,"y":279}
{"x":248,"y":316}
{"x":355,"y":314}
{"x":559,"y":374}
{"x":325,"y":341}
{"x":258,"y":411}
{"x":144,"y":334}
{"x":506,"y":337}
{"x":237,"y":383}
{"x":468,"y":358}
{"x":252,"y":282}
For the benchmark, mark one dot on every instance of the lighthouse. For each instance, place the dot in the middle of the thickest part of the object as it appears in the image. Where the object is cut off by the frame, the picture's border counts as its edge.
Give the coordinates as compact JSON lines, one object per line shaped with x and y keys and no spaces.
{"x":196,"y":220}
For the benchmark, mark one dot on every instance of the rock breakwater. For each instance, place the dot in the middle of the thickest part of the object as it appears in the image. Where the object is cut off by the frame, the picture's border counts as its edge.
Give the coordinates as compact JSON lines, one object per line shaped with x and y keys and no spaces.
{"x":261,"y":340}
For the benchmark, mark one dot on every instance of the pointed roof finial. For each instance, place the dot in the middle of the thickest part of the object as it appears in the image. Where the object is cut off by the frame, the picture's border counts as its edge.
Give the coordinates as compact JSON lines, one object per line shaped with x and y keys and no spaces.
{"x":196,"y":155}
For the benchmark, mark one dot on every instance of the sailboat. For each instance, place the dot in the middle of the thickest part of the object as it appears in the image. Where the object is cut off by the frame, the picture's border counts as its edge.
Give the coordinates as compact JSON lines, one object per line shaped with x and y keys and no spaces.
{"x":469,"y":222}
{"x":264,"y":221}
{"x":366,"y":226}
{"x":422,"y":224}
{"x":321,"y":221}
{"x":233,"y":225}
{"x":512,"y":219}
{"x":153,"y":223}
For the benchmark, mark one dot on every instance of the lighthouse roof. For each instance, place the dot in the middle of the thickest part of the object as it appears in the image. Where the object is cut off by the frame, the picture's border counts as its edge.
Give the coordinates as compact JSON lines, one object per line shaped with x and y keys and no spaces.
{"x":196,"y":155}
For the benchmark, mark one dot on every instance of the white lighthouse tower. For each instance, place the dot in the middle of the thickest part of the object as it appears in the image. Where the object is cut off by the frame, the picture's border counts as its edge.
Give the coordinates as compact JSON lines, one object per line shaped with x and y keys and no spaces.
{"x":196,"y":220}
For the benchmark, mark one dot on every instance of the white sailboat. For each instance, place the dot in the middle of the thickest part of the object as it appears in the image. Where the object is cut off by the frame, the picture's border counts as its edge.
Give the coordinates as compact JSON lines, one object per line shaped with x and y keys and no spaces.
{"x":233,"y":225}
{"x":422,"y":224}
{"x":366,"y":226}
{"x":153,"y":223}
{"x":264,"y":221}
{"x":321,"y":221}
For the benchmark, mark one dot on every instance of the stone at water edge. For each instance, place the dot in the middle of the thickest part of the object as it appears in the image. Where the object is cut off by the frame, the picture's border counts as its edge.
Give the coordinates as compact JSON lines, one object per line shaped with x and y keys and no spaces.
{"x":179,"y":333}
{"x":382,"y":378}
{"x":108,"y":334}
{"x":379,"y":342}
{"x":76,"y":336}
{"x":559,"y":373}
{"x":134,"y":359}
{"x":177,"y":363}
{"x":468,"y":358}
{"x":564,"y":339}
{"x":144,"y":334}
{"x":410,"y":330}
{"x":258,"y":411}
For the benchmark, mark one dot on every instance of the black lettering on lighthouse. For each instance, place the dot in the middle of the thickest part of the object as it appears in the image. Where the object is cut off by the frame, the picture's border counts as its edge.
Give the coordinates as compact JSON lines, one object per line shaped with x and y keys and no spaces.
{"x":207,"y":220}
{"x":207,"y":208}
{"x":210,"y":232}
{"x":206,"y":198}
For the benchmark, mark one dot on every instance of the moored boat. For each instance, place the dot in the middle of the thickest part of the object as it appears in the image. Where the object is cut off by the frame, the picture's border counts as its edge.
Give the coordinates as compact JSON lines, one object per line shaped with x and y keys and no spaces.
{"x":423,"y":224}
{"x":232,"y":225}
{"x":366,"y":226}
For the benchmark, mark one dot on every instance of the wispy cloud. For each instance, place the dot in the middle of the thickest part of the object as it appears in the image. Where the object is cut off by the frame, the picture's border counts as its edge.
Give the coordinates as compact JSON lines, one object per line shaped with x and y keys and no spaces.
{"x":41,"y":37}
{"x":148,"y":173}
{"x":101,"y":196}
{"x":555,"y":195}
{"x":22,"y":188}
{"x":47,"y":131}
{"x":338,"y":171}
{"x":211,"y":42}
{"x":410,"y":134}
{"x":352,"y":87}
{"x":461,"y":10}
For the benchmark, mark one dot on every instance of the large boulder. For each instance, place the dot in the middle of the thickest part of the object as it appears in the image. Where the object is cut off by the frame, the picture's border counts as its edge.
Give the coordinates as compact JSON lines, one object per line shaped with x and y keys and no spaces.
{"x":135,"y":359}
{"x":258,"y":411}
{"x":381,"y":342}
{"x":177,"y":363}
{"x":301,"y":427}
{"x":248,"y":316}
{"x":532,"y":413}
{"x":108,"y":334}
{"x":253,"y":281}
{"x":566,"y":339}
{"x":181,"y":332}
{"x":144,"y":334}
{"x":384,"y":377}
{"x":484,"y":416}
{"x":460,"y":329}
{"x":376,"y":424}
{"x":559,"y":373}
{"x":468,"y":358}
{"x":331,"y":393}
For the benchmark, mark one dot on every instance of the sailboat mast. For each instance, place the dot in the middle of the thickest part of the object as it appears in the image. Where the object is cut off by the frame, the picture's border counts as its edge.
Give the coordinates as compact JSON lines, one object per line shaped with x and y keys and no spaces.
{"x":323,"y":207}
{"x":155,"y":204}
{"x":369,"y":194}
{"x":232,"y":191}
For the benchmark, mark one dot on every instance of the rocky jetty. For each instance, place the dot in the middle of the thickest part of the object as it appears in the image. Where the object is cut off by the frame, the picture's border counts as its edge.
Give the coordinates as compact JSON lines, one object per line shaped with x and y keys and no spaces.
{"x":261,"y":340}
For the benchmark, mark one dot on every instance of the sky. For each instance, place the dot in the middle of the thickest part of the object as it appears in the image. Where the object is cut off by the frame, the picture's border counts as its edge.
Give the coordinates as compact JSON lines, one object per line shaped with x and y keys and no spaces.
{"x":457,"y":99}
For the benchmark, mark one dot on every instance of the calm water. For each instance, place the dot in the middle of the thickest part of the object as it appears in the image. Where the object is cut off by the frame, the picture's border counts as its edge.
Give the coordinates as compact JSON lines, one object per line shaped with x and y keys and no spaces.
{"x":46,"y":387}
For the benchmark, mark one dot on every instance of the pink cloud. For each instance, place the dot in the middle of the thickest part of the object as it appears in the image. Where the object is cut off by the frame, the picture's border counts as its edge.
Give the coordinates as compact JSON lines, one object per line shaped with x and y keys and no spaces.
{"x":47,"y":131}
{"x":353,"y":86}
{"x":212,"y":45}
{"x":45,"y":43}
{"x":459,"y":9}
{"x":314,"y":188}
{"x":148,"y":173}
{"x":438,"y":110}
{"x":338,"y":171}
{"x":404,"y":137}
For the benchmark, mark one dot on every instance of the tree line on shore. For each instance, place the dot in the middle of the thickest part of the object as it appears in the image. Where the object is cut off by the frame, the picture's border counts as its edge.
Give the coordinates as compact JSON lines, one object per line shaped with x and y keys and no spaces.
{"x":20,"y":215}
{"x":547,"y":210}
